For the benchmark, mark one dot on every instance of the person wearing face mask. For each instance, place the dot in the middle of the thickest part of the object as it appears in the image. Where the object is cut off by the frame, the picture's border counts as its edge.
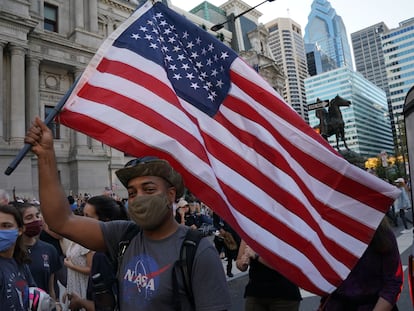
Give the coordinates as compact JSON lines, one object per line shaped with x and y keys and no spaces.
{"x":44,"y":257}
{"x":15,"y":276}
{"x":145,"y":271}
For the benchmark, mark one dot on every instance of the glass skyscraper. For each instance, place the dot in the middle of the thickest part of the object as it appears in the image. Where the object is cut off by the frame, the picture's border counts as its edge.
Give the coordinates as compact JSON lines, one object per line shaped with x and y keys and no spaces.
{"x":327,"y":31}
{"x":367,"y":124}
{"x":398,"y":49}
{"x":369,"y":58}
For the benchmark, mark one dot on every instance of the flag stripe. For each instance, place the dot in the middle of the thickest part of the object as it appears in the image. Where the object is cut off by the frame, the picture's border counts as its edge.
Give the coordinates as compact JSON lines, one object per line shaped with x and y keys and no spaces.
{"x":144,"y":114}
{"x":139,"y":77}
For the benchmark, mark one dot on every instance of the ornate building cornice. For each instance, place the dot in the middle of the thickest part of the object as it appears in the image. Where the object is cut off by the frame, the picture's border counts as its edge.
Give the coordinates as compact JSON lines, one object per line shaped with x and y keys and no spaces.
{"x":122,"y":5}
{"x":238,"y":6}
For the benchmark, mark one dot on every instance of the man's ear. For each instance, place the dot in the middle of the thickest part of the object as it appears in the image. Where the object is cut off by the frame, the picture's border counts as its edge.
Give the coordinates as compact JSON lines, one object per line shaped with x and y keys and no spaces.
{"x":21,"y":230}
{"x":171,"y":192}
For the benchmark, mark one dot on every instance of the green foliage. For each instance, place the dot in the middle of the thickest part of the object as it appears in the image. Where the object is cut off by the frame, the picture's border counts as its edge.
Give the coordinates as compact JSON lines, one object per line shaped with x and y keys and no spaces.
{"x":354,"y":158}
{"x":391,"y":172}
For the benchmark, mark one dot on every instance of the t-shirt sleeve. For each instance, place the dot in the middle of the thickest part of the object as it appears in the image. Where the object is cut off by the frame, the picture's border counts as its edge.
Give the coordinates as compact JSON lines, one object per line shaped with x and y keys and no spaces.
{"x":211,"y":292}
{"x":113,"y":232}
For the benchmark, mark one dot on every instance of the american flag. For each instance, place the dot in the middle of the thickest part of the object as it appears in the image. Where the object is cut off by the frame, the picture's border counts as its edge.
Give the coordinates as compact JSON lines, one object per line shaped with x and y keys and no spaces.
{"x":160,"y":85}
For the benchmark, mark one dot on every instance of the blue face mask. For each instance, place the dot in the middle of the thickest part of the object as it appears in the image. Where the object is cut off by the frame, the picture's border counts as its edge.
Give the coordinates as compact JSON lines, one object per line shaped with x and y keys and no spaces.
{"x":8,"y":238}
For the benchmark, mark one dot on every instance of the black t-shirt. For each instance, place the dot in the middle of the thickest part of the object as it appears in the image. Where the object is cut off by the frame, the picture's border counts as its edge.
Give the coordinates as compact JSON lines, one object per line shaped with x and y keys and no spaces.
{"x":101,"y":264}
{"x":45,"y":262}
{"x":46,"y":237}
{"x":268,"y":283}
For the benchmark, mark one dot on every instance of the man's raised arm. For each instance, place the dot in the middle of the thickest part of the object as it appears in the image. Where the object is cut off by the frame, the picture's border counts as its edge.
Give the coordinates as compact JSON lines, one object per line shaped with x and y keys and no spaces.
{"x":53,"y":201}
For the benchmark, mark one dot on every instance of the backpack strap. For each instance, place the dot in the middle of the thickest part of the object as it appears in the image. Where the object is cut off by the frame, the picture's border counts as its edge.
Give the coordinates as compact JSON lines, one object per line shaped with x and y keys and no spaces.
{"x":123,"y":244}
{"x":185,"y":264}
{"x":116,"y":260}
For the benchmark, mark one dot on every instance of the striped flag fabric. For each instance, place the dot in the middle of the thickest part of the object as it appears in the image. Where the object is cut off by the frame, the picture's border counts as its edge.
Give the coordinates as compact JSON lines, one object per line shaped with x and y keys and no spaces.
{"x":160,"y":85}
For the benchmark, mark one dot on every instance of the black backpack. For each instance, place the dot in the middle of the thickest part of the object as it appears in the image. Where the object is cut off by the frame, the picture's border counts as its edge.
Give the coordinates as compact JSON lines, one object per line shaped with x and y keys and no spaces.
{"x":184,"y":264}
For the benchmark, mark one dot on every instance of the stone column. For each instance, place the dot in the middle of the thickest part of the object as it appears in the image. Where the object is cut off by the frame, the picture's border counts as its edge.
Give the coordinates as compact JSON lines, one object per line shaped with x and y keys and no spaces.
{"x":79,"y":14}
{"x":33,"y":96}
{"x":97,"y":145}
{"x":34,"y":6}
{"x":17,"y":85}
{"x":110,"y":26}
{"x":81,"y":140}
{"x":93,"y":16}
{"x":2,"y":102}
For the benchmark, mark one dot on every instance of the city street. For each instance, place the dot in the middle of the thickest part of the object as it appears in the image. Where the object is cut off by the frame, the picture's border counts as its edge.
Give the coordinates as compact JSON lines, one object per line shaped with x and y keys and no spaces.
{"x":310,"y":302}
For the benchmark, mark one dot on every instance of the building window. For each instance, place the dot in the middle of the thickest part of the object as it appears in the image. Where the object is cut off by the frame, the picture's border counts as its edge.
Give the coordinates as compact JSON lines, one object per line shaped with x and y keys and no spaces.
{"x":51,"y":17}
{"x":54,"y":124}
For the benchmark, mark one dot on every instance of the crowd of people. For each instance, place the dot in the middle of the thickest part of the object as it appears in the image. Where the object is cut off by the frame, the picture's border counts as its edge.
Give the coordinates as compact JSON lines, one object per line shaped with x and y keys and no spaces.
{"x":58,"y":249}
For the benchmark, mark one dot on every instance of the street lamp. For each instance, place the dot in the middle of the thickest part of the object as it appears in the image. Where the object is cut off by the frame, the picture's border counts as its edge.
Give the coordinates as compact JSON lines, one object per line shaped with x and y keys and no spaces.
{"x":233,"y":18}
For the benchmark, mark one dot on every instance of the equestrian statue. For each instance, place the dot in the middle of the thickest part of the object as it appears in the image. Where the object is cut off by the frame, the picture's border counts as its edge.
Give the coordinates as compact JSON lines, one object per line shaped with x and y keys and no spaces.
{"x":331,"y":122}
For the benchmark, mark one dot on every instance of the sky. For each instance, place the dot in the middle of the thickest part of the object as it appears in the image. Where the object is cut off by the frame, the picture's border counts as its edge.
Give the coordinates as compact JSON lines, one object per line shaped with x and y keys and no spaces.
{"x":356,"y":14}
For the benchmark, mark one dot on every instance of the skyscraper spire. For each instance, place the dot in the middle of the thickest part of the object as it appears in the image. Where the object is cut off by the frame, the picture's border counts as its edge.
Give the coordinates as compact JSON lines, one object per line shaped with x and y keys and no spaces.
{"x":326,"y":30}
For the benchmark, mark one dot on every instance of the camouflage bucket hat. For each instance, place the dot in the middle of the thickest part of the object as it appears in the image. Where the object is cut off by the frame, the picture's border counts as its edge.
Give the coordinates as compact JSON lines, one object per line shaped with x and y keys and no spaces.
{"x":151,"y":166}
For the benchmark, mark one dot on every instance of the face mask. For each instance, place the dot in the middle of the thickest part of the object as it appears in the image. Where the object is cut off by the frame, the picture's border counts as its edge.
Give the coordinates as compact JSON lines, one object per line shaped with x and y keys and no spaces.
{"x":33,"y":228}
{"x":8,"y":238}
{"x":149,"y":211}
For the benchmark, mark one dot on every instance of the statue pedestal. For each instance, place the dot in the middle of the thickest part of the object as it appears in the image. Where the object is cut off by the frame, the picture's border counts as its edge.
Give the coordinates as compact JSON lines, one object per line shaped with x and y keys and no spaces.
{"x":354,"y":158}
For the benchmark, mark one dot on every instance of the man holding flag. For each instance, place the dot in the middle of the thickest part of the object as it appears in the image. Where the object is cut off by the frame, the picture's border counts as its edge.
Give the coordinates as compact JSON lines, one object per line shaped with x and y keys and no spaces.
{"x":161,"y":85}
{"x":148,"y":278}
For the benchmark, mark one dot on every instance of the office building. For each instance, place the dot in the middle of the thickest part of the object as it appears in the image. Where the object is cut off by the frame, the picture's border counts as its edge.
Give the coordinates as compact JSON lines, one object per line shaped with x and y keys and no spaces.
{"x":398,"y":49}
{"x":369,"y":58}
{"x":326,"y":30}
{"x":287,"y":46}
{"x":209,"y":12}
{"x":368,"y":54}
{"x":317,"y":61}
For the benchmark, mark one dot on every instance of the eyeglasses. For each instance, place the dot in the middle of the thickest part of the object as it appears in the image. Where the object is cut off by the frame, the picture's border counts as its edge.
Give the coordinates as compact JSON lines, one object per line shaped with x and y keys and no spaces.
{"x":142,"y":160}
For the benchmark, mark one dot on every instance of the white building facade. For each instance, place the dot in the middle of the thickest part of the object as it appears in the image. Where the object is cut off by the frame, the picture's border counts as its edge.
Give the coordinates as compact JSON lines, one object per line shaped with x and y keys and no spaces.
{"x":44,"y":46}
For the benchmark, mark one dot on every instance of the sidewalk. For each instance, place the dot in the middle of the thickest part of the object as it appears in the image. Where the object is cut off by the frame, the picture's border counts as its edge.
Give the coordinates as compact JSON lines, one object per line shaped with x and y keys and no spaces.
{"x":236,"y":272}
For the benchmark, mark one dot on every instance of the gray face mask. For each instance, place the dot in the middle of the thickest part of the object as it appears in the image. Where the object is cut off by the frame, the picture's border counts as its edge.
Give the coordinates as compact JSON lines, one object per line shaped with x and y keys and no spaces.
{"x":149,"y":211}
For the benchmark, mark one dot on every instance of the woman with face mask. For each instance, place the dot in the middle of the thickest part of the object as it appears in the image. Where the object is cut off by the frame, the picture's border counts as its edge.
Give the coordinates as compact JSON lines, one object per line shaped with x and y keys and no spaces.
{"x":44,"y":257}
{"x":15,"y":277}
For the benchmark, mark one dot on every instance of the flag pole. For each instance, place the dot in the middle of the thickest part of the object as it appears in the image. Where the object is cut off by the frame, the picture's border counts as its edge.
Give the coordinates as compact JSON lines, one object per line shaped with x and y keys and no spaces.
{"x":26,"y":148}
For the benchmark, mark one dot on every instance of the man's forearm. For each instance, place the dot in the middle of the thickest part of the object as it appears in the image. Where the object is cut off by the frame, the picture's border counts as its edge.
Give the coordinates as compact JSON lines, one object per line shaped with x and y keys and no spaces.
{"x":54,"y":205}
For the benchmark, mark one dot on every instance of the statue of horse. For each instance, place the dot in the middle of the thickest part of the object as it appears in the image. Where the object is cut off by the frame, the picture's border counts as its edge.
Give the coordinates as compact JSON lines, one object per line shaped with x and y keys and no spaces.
{"x":331,"y":122}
